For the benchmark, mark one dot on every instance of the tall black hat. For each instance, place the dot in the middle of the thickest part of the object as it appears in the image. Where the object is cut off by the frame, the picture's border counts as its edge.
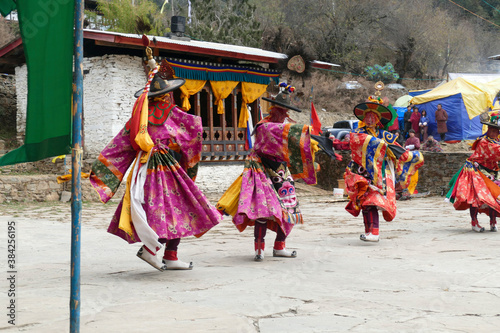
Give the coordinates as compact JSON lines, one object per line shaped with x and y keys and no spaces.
{"x":490,"y":118}
{"x":283,"y":97}
{"x":163,"y":81}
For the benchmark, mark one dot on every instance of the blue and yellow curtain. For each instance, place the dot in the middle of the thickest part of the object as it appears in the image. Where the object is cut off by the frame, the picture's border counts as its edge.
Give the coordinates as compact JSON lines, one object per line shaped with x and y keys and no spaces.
{"x":223,"y":79}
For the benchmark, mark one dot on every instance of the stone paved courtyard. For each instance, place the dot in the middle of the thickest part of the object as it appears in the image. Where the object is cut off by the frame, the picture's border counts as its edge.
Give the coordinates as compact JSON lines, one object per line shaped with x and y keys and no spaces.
{"x":429,"y":273}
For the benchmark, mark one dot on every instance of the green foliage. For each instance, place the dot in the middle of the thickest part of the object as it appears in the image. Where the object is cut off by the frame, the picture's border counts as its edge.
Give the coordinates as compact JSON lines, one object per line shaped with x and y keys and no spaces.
{"x":225,"y":21}
{"x":140,"y":16}
{"x":488,"y":9}
{"x":422,"y":38}
{"x":385,"y":73}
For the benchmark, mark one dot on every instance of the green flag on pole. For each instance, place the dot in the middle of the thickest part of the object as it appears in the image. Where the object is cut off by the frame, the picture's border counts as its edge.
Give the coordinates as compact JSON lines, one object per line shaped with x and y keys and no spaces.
{"x":6,"y":6}
{"x":47,"y":34}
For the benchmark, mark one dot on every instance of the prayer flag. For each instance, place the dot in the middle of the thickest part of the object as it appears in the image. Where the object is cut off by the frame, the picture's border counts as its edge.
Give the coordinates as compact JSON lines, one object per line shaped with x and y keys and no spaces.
{"x":47,"y":34}
{"x":250,"y":139}
{"x":261,"y":116}
{"x":315,"y":122}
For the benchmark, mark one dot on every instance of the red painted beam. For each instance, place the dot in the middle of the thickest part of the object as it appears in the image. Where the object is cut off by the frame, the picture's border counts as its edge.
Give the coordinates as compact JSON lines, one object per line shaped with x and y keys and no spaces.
{"x":320,"y":65}
{"x":124,"y":40}
{"x":10,"y":47}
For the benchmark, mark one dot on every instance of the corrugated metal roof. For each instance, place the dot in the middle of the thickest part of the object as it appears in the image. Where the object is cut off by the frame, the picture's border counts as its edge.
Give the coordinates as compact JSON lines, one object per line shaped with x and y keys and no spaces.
{"x":181,"y":45}
{"x":201,"y":44}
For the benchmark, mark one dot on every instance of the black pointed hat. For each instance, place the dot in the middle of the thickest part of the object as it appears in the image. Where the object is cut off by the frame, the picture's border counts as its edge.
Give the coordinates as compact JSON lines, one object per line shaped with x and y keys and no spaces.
{"x":163,"y":81}
{"x":283,"y":98}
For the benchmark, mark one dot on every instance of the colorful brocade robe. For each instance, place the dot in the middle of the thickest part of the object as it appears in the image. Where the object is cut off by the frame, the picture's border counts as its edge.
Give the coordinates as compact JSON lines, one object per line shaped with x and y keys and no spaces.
{"x":378,"y":166}
{"x":478,"y":181}
{"x":265,"y":190}
{"x":174,"y":206}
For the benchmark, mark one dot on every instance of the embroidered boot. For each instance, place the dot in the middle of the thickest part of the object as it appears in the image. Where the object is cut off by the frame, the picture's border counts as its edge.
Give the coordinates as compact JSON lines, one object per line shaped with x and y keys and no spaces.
{"x":493,"y":220}
{"x":279,"y":250}
{"x":259,"y":251}
{"x":493,"y":226}
{"x":372,"y":236}
{"x":366,"y":221}
{"x":172,"y":263}
{"x":476,"y":227}
{"x":373,"y":222}
{"x":150,"y":257}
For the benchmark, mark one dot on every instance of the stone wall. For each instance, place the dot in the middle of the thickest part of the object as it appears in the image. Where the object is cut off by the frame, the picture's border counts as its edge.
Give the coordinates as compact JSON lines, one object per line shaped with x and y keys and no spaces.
{"x":8,"y":105}
{"x":109,"y":85}
{"x":212,"y":179}
{"x":22,"y":188}
{"x":438,"y":169}
{"x":22,"y":101}
{"x":8,"y":100}
{"x":434,"y":175}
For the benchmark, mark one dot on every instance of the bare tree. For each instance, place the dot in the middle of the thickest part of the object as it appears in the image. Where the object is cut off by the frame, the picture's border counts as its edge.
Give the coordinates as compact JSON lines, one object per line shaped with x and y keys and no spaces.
{"x":225,"y":21}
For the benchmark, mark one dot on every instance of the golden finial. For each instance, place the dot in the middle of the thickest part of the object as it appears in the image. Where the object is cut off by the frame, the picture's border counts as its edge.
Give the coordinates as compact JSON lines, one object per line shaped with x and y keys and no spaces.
{"x":379,"y":86}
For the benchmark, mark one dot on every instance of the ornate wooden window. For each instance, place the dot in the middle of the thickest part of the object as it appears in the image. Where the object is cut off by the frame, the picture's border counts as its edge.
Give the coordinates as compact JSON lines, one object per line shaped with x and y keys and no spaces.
{"x":223,"y":140}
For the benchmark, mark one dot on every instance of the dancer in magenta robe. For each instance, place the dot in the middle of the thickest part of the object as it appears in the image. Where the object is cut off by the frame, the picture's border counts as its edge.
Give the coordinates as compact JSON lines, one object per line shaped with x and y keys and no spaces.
{"x":264,"y":195}
{"x":162,"y":203}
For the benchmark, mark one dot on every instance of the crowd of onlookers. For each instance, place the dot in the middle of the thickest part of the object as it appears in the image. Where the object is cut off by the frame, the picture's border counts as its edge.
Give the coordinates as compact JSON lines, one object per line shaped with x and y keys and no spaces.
{"x":416,"y":124}
{"x":413,"y":135}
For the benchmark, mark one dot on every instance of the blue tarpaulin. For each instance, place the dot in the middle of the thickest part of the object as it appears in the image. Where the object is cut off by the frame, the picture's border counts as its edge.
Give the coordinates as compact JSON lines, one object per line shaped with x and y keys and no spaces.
{"x":464,"y":101}
{"x":414,"y":93}
{"x":459,"y":125}
{"x":401,"y":112}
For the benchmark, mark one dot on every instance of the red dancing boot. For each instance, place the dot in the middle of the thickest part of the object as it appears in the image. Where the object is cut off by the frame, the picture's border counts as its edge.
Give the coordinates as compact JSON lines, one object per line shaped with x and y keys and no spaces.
{"x":279,"y":250}
{"x":172,"y":263}
{"x":259,"y":251}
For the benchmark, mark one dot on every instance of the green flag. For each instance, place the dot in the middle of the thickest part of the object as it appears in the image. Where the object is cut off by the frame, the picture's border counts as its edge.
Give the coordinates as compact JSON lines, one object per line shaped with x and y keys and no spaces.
{"x":6,"y":6}
{"x":47,"y":34}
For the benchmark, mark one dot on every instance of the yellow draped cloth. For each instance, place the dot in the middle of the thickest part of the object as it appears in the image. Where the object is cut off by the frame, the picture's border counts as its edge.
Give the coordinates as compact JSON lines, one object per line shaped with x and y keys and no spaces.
{"x":145,"y":143}
{"x":125,"y":222}
{"x":413,"y":183}
{"x":221,"y":90}
{"x":249,"y":92}
{"x":69,"y":176}
{"x":190,"y":88}
{"x":228,"y":203}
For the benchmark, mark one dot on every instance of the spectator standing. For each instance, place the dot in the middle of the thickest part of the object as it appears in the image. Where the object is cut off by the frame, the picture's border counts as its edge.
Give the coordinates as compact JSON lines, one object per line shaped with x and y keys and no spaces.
{"x":412,"y":143}
{"x":441,"y":118}
{"x":406,"y":122}
{"x":424,"y":124}
{"x":415,"y":120}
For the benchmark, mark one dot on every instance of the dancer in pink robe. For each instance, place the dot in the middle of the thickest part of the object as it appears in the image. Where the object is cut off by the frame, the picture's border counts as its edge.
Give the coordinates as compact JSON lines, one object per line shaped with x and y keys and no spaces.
{"x":264,"y":195}
{"x":162,"y":203}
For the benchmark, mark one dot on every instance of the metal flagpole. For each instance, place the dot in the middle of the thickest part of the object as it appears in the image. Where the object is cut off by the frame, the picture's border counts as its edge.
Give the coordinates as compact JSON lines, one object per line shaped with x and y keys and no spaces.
{"x":76,"y":161}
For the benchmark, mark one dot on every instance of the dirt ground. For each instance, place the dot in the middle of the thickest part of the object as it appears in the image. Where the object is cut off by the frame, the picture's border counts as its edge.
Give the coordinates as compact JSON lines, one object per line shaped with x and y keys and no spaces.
{"x":459,"y":147}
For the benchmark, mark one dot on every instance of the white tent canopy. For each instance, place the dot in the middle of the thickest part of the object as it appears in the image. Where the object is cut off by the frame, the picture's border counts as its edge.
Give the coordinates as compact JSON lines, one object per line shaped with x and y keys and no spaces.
{"x":476,"y":77}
